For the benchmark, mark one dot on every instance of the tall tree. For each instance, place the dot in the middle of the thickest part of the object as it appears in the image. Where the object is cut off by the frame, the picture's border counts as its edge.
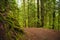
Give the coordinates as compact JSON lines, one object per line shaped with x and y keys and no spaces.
{"x":42,"y":13}
{"x":38,"y":22}
{"x":59,"y":15}
{"x":28,"y":15}
{"x":24,"y":13}
{"x":54,"y":14}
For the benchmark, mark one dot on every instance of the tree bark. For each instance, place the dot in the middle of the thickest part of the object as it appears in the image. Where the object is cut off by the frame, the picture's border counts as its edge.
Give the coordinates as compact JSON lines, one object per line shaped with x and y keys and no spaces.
{"x":38,"y":23}
{"x":42,"y":13}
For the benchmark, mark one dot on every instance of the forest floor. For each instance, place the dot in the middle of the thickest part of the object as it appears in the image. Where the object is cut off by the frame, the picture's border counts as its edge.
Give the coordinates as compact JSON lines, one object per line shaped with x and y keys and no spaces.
{"x":41,"y":34}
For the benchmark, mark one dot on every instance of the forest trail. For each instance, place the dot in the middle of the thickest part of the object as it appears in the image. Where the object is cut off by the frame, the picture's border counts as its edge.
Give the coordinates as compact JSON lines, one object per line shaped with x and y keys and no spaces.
{"x":41,"y":34}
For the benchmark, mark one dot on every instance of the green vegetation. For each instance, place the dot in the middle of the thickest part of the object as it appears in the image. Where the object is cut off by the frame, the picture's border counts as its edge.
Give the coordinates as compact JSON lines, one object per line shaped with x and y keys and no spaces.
{"x":31,"y":13}
{"x":39,"y":13}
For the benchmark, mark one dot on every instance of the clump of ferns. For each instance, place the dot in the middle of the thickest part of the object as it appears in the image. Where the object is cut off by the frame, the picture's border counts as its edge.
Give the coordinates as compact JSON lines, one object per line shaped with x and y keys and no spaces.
{"x":12,"y":27}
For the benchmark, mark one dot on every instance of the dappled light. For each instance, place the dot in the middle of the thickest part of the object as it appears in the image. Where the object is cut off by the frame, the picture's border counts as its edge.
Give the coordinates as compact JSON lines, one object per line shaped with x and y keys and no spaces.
{"x":29,"y":19}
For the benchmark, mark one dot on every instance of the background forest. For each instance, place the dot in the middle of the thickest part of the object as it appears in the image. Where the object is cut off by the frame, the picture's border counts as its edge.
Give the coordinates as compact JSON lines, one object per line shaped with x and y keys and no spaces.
{"x":17,"y":14}
{"x":39,"y":13}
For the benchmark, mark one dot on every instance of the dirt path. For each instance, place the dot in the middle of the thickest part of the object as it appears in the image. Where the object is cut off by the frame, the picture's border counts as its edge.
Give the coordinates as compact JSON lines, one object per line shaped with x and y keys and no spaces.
{"x":41,"y":34}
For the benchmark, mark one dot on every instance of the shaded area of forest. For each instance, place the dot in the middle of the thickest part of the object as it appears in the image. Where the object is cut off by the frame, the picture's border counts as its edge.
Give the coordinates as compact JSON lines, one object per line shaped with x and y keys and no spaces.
{"x":15,"y":15}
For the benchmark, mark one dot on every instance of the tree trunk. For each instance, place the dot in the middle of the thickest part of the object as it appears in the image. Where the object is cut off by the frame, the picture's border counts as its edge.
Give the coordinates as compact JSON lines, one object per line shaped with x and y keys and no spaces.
{"x":42,"y":13}
{"x":38,"y":22}
{"x":59,"y":15}
{"x":28,"y":15}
